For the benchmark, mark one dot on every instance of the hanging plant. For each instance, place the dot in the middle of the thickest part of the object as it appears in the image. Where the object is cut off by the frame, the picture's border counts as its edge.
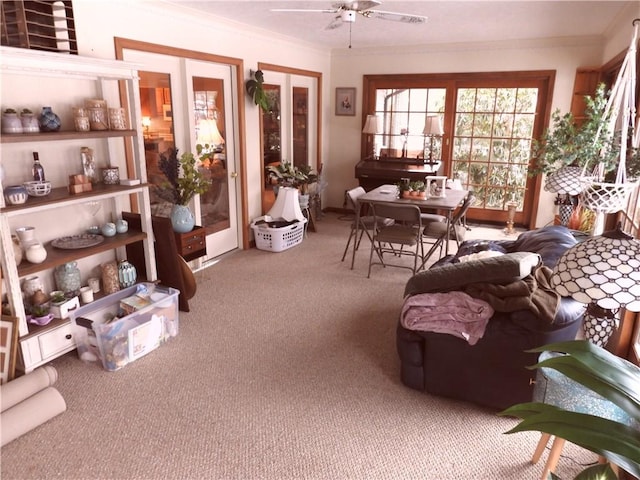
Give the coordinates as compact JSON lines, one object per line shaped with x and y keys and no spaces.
{"x":256,"y":91}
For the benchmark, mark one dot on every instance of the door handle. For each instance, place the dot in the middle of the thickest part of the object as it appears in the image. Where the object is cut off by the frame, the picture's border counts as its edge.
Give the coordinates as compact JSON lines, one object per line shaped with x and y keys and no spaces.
{"x":234,"y":174}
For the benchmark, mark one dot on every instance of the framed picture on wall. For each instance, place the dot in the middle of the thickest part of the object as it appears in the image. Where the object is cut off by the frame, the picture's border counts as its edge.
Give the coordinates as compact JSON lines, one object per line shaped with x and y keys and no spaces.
{"x":345,"y":101}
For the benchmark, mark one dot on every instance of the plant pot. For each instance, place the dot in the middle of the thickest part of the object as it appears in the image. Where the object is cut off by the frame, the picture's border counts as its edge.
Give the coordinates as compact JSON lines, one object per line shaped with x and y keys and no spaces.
{"x":182,"y":219}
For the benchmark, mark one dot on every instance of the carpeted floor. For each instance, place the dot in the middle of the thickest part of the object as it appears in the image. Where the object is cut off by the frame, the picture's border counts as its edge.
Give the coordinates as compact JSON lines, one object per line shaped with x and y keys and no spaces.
{"x":285,"y":368}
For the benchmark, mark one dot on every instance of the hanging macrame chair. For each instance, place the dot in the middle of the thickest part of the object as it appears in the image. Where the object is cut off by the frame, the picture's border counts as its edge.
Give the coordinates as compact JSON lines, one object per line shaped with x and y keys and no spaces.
{"x":620,"y":110}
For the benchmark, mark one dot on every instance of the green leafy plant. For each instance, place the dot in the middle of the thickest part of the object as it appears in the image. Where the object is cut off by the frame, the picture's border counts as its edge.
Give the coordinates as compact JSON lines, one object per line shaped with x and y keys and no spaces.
{"x":418,"y":186}
{"x":256,"y":91}
{"x":184,"y":180}
{"x":569,"y":144}
{"x":605,"y":374}
{"x":289,"y":175}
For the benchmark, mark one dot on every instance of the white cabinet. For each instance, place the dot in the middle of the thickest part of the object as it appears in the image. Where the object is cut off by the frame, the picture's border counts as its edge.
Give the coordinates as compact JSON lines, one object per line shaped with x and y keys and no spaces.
{"x":67,"y":78}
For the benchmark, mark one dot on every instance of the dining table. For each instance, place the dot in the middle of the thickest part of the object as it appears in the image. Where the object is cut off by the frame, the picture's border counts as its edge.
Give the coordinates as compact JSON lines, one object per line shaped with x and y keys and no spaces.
{"x":389,"y":194}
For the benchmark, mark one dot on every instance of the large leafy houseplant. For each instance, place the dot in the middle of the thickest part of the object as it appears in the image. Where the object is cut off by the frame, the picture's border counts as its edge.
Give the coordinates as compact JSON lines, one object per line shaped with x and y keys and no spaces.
{"x":568,"y":144}
{"x":184,"y":180}
{"x":605,"y":374}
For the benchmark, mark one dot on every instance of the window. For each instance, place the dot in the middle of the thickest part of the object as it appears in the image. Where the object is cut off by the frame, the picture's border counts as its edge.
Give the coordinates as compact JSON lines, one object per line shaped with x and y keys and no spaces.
{"x":492,"y":142}
{"x":489,"y":121}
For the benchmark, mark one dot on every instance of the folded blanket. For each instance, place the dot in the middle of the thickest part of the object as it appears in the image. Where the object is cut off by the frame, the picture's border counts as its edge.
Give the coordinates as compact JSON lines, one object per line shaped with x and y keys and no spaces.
{"x":455,"y":313}
{"x":533,"y":292}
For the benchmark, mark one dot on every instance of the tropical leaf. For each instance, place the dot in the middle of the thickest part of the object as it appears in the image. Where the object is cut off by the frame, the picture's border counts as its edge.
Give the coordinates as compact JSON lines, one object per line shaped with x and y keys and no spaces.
{"x":615,"y":441}
{"x":599,"y":370}
{"x":601,"y":471}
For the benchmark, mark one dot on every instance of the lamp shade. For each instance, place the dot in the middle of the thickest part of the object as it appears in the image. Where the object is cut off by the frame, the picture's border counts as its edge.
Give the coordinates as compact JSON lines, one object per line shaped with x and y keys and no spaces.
{"x":287,"y":205}
{"x":432,"y":125}
{"x":208,"y":133}
{"x":565,"y":180}
{"x":372,"y":125}
{"x":604,"y":270}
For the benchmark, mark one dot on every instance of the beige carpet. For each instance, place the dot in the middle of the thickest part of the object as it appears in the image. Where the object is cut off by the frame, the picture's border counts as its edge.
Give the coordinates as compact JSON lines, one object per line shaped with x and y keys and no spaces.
{"x":284,"y":369}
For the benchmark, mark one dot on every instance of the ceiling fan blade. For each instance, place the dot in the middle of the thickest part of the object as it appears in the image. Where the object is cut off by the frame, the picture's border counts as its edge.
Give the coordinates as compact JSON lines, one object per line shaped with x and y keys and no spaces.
{"x":335,"y":23}
{"x":323,"y":10}
{"x":357,"y":5}
{"x":394,"y":16}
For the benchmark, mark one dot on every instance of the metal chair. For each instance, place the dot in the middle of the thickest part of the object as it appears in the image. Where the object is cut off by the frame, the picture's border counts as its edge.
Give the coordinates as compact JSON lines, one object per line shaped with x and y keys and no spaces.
{"x":440,"y":232}
{"x":367,"y":222}
{"x":406,"y":231}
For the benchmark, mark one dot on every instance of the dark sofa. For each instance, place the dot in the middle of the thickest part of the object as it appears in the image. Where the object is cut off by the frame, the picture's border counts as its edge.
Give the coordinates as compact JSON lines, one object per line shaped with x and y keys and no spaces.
{"x":492,"y":372}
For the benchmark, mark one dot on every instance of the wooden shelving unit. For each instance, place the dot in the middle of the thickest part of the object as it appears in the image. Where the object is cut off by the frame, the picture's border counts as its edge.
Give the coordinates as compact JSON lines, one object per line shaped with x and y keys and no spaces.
{"x":41,"y":344}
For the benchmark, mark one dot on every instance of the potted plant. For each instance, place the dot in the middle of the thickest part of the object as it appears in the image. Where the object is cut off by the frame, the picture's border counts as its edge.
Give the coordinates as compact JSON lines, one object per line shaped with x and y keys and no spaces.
{"x":418,"y":189}
{"x":288,"y":175}
{"x":184,"y":181}
{"x":609,"y":376}
{"x":567,"y":144}
{"x":404,"y":188}
{"x":256,"y":91}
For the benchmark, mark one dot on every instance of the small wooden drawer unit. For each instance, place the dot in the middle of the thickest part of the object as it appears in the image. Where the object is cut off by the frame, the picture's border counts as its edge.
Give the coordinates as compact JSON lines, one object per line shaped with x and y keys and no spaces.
{"x":192,"y":245}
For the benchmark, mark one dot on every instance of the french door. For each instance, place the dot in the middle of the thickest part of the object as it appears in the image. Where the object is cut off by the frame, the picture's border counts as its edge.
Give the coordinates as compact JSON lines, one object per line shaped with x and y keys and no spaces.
{"x":178,"y":97}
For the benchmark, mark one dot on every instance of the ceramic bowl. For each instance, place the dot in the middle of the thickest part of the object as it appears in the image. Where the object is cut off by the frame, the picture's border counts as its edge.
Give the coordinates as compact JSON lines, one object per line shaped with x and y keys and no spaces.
{"x":38,"y":189}
{"x":15,"y":194}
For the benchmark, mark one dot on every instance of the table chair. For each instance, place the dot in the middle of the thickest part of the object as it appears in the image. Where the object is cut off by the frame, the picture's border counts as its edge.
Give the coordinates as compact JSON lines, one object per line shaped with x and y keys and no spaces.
{"x":367,"y":222}
{"x":440,"y":232}
{"x":391,"y":239}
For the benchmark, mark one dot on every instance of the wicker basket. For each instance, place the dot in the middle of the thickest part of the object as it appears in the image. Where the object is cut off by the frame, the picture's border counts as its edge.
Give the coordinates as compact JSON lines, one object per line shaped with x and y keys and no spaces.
{"x":38,"y":189}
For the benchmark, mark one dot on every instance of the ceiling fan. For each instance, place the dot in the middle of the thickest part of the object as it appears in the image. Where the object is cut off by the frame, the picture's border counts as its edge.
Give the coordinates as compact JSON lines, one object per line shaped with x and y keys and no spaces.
{"x":346,"y":13}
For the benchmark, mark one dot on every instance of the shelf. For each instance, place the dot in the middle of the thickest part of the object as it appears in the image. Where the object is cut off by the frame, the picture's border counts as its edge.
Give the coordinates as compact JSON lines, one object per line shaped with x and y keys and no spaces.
{"x":61,"y":196}
{"x":58,"y":256}
{"x":64,"y":135}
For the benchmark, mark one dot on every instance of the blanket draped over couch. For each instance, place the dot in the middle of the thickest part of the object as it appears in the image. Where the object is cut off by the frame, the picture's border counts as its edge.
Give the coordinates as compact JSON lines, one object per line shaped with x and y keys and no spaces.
{"x":527,"y":313}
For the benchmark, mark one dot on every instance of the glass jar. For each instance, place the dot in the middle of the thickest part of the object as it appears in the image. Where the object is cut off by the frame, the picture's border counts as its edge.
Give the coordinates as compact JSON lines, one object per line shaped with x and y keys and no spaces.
{"x":98,"y":115}
{"x":117,"y":119}
{"x":88,"y":164}
{"x":110,"y":280}
{"x":81,"y":119}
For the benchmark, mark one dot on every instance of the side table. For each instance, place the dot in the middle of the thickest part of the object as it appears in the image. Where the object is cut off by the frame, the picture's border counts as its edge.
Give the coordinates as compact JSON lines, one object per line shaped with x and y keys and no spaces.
{"x":192,"y":245}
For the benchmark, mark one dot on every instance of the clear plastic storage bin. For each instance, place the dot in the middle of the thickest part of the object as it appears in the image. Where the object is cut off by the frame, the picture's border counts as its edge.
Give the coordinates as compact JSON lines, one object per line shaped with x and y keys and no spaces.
{"x":119,"y":341}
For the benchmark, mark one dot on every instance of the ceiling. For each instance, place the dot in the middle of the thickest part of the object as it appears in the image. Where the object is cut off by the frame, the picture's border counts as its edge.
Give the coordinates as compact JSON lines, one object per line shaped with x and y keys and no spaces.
{"x":449,"y":22}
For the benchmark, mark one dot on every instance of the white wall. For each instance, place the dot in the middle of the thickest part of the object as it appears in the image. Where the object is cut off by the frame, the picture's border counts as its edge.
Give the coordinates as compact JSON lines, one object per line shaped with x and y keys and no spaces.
{"x":98,"y":22}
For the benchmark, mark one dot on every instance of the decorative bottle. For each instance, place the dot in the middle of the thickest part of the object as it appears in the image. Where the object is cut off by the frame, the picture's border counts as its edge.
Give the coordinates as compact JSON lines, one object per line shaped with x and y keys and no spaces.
{"x":38,"y":169}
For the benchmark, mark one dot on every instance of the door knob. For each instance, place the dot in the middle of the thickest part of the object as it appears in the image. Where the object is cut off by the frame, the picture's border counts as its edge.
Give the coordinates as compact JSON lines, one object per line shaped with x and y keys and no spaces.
{"x":234,"y":174}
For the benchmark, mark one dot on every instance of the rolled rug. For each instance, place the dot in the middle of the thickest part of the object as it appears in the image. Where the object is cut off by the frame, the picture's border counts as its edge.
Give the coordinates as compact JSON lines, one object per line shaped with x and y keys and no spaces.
{"x":30,"y":413}
{"x":17,"y":390}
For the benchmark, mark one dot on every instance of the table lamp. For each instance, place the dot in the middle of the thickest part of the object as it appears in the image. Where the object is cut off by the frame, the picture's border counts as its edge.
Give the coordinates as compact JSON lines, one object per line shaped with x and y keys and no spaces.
{"x":604,"y":273}
{"x":565,"y":181}
{"x":209,"y":136}
{"x":432,"y":128}
{"x":373,"y":127}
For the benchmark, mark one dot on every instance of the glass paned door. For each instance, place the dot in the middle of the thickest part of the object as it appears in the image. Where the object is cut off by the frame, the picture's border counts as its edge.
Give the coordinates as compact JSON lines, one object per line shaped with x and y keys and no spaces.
{"x":157,"y":122}
{"x":210,"y":114}
{"x":492,"y":143}
{"x":210,"y":133}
